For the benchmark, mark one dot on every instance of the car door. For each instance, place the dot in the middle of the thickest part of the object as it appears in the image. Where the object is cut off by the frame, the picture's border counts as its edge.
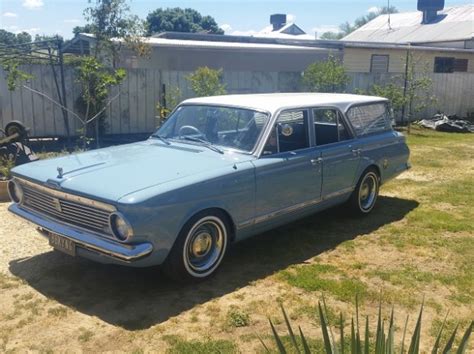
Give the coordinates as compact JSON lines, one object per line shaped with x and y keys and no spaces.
{"x":340,"y":153}
{"x":288,"y":174}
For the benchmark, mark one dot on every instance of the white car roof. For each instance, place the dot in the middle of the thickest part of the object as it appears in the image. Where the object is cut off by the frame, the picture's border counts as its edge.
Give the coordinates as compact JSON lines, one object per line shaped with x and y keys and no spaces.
{"x":273,"y":102}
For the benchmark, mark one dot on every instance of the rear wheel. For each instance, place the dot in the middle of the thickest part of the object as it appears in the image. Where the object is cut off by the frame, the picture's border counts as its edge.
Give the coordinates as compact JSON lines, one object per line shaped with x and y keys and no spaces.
{"x":199,"y":248}
{"x":365,"y":195}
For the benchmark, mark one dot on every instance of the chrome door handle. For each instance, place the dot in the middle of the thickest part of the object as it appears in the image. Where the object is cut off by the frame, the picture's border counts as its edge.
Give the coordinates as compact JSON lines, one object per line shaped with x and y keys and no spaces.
{"x":356,"y":152}
{"x":316,"y":161}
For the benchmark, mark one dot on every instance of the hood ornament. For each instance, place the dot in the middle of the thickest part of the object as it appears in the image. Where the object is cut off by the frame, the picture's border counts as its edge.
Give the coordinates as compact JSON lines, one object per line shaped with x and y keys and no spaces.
{"x":60,"y":172}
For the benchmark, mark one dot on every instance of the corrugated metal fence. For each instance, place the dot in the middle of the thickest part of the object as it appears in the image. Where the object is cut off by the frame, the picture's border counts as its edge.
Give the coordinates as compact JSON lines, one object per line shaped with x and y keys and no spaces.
{"x":134,"y":111}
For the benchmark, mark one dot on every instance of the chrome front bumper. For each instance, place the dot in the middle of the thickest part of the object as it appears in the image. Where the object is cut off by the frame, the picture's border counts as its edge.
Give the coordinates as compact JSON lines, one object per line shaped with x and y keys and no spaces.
{"x":82,"y":239}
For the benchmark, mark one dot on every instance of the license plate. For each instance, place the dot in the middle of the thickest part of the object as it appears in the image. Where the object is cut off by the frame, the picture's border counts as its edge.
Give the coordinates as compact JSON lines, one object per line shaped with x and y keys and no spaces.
{"x":62,"y":244}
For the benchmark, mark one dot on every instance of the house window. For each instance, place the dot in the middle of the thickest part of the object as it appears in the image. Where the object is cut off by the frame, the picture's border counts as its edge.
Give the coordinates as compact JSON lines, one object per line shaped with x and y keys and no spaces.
{"x":450,"y":65}
{"x":460,"y":65}
{"x":379,"y":63}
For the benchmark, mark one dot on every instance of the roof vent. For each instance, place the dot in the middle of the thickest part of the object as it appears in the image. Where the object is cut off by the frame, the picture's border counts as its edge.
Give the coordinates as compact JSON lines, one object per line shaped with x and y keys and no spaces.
{"x":278,"y":21}
{"x":430,"y":9}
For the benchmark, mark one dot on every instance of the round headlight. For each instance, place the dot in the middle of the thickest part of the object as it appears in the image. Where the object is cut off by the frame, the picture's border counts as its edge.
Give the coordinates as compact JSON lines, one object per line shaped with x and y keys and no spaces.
{"x":120,"y":227}
{"x":15,"y":191}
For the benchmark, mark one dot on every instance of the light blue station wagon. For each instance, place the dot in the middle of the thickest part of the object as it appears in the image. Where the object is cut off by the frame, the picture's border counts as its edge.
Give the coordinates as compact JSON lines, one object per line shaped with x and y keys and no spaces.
{"x":219,"y":170}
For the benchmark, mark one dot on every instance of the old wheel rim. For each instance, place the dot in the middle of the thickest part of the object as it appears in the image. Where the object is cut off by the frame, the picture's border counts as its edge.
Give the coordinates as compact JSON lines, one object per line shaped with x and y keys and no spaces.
{"x":204,"y":247}
{"x":368,"y":192}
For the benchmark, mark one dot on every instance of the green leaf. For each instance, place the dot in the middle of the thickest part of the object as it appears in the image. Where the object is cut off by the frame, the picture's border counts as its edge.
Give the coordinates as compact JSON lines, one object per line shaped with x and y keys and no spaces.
{"x":438,"y":337}
{"x":334,"y":348}
{"x":450,"y":342}
{"x":402,"y":346}
{"x":290,"y":330}
{"x":414,"y":347}
{"x":465,"y":339}
{"x":278,"y":341}
{"x":327,"y":342}
{"x":341,"y":331}
{"x":367,"y":336}
{"x":353,"y":338}
{"x":378,"y":333}
{"x":263,"y":343}
{"x":305,"y":343}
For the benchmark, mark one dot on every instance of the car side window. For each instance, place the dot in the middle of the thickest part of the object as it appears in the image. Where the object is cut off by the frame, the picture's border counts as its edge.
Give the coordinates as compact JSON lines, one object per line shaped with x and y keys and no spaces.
{"x":370,"y":118}
{"x":290,"y":132}
{"x":329,"y":127}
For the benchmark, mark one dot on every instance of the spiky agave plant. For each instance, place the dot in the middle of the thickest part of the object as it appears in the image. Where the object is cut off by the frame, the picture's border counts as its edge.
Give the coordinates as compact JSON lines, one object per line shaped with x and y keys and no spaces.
{"x":382,"y":344}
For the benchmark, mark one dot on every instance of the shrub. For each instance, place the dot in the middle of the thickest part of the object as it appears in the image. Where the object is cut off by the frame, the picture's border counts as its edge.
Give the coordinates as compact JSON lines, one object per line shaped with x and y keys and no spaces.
{"x":325,"y":76}
{"x":207,"y":82}
{"x":237,"y":318}
{"x":360,"y":340}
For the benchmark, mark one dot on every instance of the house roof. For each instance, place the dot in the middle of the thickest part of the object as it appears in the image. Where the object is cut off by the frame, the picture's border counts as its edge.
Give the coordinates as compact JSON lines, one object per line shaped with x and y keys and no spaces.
{"x":275,"y":101}
{"x":290,"y":30}
{"x":451,"y":24}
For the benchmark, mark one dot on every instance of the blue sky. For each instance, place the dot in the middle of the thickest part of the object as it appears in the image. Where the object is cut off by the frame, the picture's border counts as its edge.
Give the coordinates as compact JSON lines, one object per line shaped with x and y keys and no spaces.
{"x":236,"y":17}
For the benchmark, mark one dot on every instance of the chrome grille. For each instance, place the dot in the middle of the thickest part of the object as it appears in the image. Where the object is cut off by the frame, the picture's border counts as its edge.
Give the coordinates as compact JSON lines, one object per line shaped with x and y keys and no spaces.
{"x":58,"y":206}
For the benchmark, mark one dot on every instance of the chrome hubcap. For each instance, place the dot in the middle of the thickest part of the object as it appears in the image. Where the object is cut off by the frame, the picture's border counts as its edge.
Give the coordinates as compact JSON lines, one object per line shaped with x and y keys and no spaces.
{"x":201,"y":245}
{"x":205,"y":246}
{"x":368,"y":192}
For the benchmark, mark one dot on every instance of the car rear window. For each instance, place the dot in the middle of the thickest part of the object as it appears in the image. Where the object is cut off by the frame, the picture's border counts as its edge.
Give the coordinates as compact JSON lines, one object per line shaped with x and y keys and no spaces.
{"x":370,"y":118}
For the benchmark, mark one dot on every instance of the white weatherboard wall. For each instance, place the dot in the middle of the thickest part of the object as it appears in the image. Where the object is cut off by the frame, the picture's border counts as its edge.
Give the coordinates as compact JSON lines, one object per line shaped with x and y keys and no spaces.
{"x":134,"y":111}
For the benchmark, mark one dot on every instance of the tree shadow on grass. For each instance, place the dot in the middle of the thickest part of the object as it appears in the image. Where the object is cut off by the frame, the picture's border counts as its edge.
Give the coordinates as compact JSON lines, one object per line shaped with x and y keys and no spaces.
{"x":135,"y":298}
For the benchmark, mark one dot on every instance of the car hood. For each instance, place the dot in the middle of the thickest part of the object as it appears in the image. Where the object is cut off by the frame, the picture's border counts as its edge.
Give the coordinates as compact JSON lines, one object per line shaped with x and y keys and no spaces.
{"x":111,"y":173}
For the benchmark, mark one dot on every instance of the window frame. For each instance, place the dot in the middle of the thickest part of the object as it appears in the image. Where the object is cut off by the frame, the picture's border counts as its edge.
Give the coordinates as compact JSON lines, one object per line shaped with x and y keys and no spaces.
{"x":340,"y":116}
{"x":273,"y":125}
{"x":254,"y":151}
{"x":445,"y":59}
{"x":354,"y":132}
{"x":372,"y":63}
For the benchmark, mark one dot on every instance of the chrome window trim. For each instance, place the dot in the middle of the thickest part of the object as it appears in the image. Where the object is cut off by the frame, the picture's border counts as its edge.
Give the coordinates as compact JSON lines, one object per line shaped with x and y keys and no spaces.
{"x":68,"y":196}
{"x":293,"y":208}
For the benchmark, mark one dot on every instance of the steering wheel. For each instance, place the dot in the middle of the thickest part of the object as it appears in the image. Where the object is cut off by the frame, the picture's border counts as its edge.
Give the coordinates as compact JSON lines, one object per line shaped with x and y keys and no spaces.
{"x":191,"y":127}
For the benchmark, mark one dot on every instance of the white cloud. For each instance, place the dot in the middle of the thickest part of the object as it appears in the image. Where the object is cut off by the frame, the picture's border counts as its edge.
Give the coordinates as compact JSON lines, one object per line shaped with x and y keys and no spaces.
{"x":33,"y":4}
{"x":373,"y":9}
{"x":290,"y":18}
{"x":10,"y":14}
{"x":12,"y":28}
{"x":72,"y":20}
{"x":226,"y":27}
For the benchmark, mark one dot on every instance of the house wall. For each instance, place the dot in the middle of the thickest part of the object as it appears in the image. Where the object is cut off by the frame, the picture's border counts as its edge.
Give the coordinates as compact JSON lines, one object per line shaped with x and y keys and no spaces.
{"x":358,"y":59}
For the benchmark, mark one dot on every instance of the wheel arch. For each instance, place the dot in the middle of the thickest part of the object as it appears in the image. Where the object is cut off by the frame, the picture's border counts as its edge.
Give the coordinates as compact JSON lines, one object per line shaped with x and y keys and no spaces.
{"x":212,"y":210}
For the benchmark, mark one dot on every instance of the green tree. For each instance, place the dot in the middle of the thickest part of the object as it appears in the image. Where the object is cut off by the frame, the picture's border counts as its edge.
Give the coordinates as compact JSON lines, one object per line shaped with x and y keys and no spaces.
{"x":96,"y":81}
{"x":325,"y":76}
{"x":346,"y":27}
{"x":9,"y":38}
{"x":180,"y":20}
{"x":110,"y":20}
{"x":332,"y":36}
{"x":207,"y":82}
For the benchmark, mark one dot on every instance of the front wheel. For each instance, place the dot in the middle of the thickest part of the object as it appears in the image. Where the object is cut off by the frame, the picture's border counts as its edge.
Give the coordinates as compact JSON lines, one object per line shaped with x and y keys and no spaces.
{"x":199,"y":248}
{"x":365,"y":195}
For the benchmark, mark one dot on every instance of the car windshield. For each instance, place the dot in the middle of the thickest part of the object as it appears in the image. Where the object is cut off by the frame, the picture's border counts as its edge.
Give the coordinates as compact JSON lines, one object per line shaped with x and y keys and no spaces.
{"x":228,"y":127}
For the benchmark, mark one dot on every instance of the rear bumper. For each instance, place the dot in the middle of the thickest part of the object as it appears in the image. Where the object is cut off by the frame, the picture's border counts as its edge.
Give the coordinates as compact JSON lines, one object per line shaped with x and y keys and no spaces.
{"x":123,"y":253}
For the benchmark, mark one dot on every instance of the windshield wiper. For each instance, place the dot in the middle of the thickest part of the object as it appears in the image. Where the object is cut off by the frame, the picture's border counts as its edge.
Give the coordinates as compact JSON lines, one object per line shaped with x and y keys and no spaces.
{"x":162,"y":138}
{"x":204,"y":142}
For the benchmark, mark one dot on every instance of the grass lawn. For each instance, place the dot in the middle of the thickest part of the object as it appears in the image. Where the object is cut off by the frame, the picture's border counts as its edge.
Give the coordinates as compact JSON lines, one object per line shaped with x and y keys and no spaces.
{"x":417,"y":244}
